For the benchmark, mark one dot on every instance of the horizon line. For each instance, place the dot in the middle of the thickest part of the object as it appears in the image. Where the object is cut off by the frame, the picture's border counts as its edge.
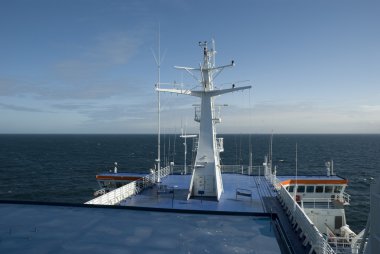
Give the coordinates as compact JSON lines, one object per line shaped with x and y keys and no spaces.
{"x":162,"y":134}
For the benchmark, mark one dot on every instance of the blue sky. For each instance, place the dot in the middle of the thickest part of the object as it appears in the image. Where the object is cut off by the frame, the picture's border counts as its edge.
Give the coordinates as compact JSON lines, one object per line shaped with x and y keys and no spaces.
{"x":87,"y":66}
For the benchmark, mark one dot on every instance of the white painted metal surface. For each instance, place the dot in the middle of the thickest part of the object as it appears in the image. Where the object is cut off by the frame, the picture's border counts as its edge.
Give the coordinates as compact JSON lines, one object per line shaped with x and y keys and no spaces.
{"x":116,"y":196}
{"x":299,"y":218}
{"x":206,"y":177}
{"x":373,"y":245}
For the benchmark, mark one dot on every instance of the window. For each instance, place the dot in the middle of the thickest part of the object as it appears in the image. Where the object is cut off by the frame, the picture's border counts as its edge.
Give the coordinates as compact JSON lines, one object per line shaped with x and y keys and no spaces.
{"x":338,"y":189}
{"x":310,"y":188}
{"x":291,"y":188}
{"x":301,"y":188}
{"x":328,"y":188}
{"x":319,"y":189}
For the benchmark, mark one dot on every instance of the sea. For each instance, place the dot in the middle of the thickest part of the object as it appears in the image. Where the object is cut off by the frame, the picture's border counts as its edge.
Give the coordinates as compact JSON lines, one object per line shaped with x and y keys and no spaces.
{"x":62,"y":168}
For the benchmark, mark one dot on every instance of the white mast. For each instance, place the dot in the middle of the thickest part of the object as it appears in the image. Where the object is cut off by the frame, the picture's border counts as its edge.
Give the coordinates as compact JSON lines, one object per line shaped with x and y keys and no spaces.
{"x":206,"y":179}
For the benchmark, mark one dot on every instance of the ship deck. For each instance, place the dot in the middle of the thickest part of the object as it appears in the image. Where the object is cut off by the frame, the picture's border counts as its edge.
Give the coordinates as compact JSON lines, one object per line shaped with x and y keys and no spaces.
{"x":160,"y":219}
{"x":64,"y":228}
{"x":263,"y":201}
{"x":173,"y":189}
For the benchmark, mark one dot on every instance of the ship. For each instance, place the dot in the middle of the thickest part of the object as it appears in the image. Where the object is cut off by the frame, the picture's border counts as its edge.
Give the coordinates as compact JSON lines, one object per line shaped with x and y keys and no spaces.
{"x":307,"y":212}
{"x":205,"y":207}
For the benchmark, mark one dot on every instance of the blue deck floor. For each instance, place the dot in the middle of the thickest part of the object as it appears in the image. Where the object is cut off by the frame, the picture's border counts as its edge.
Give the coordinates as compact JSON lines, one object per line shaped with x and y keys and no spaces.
{"x":178,"y":185}
{"x":245,"y":228}
{"x":35,"y":228}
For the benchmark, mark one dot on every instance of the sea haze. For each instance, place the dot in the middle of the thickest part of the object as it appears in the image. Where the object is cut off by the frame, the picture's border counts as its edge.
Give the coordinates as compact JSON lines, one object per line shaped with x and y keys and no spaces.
{"x":62,"y":168}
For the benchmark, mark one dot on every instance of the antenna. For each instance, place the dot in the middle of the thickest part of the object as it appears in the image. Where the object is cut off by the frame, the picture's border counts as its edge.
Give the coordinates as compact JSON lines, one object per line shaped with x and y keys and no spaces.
{"x":208,"y":66}
{"x":296,"y":187}
{"x":250,"y":155}
{"x":158,"y":62}
{"x":250,"y":142}
{"x":185,"y":136}
{"x":169,"y":152}
{"x":240,"y":157}
{"x":296,"y":163}
{"x":214,"y":51}
{"x":185,"y":144}
{"x":174,"y":153}
{"x":271,"y":151}
{"x":164,"y":147}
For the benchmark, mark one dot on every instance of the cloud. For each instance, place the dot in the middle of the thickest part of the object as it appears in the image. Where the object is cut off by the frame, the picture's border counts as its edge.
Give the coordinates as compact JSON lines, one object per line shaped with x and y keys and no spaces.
{"x":109,"y":112}
{"x":15,"y":86}
{"x":71,"y":106}
{"x":369,"y":108}
{"x":107,"y":51}
{"x":114,"y":112}
{"x":88,"y":75}
{"x":19,"y":108}
{"x":87,"y":89}
{"x":300,"y":117}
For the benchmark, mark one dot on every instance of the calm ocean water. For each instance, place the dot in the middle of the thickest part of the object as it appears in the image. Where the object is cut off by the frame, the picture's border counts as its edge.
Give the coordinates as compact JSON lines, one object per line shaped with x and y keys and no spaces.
{"x":62,"y":168}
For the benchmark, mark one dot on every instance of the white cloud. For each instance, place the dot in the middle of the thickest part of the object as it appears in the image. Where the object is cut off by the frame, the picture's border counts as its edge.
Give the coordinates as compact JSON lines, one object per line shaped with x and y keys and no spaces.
{"x":107,"y":50}
{"x":86,"y":75}
{"x":300,"y":117}
{"x":19,"y":108}
{"x":370,"y":108}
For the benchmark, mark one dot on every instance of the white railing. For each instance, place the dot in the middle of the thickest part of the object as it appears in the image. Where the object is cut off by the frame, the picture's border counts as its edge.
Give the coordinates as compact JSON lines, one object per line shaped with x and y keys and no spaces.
{"x":312,"y":235}
{"x":273,"y":180}
{"x":237,"y":169}
{"x":345,"y":198}
{"x":321,"y":203}
{"x":309,"y":230}
{"x":241,"y":169}
{"x":343,"y":245}
{"x":325,"y":203}
{"x":180,"y":169}
{"x":116,"y":196}
{"x":232,"y":169}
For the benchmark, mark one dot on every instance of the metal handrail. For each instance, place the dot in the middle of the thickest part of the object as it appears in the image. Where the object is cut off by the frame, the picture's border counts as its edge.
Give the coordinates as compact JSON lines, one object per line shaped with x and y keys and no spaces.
{"x":342,"y":244}
{"x":313,"y":235}
{"x":318,"y":201}
{"x":345,"y":197}
{"x":234,"y":169}
{"x":116,"y":196}
{"x":240,"y":169}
